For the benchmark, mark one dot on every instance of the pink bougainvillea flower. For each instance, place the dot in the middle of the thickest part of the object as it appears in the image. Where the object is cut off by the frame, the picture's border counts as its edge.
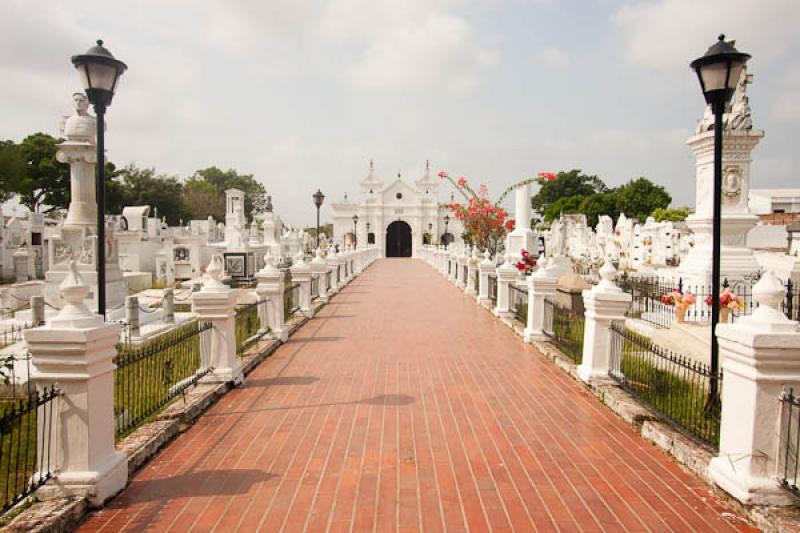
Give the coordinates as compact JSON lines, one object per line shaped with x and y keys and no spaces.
{"x":510,"y":226}
{"x":462,"y":181}
{"x":549,"y":176}
{"x":443,"y":174}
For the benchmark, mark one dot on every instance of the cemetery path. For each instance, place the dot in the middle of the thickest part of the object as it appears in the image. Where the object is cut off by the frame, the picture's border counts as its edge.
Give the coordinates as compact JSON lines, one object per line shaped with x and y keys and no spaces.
{"x":404,"y":406}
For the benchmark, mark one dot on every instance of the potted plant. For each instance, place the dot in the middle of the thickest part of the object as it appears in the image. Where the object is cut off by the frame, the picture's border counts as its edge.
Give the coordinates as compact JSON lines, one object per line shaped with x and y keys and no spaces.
{"x":728,"y":301}
{"x":680,"y":301}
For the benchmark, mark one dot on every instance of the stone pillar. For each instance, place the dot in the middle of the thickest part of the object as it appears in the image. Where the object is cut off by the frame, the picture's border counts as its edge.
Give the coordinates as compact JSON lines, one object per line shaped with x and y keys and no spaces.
{"x":522,"y":237}
{"x":319,"y":269}
{"x":605,"y":304}
{"x":472,"y":272}
{"x":168,"y":304}
{"x":485,"y":268}
{"x":506,"y":275}
{"x":760,"y":357}
{"x":75,"y":352}
{"x":542,"y":285}
{"x":332,"y":261}
{"x":216,"y":303}
{"x":271,"y":286}
{"x":461,"y":262}
{"x":37,"y":311}
{"x":21,"y":258}
{"x":301,"y":273}
{"x":132,"y":315}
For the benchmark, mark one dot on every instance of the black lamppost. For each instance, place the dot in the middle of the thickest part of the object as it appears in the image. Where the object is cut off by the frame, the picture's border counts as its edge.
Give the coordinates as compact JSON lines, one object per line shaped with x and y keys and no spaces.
{"x":445,"y":236}
{"x":368,"y":233}
{"x":318,"y":199}
{"x":355,"y":231}
{"x":99,"y":72}
{"x":719,"y":71}
{"x":430,"y":232}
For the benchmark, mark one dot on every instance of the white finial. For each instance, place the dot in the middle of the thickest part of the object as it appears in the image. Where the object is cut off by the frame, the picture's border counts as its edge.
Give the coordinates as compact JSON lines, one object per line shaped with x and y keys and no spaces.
{"x":768,"y":294}
{"x":214,"y":273}
{"x":73,"y":289}
{"x":75,"y":313}
{"x":608,"y":274}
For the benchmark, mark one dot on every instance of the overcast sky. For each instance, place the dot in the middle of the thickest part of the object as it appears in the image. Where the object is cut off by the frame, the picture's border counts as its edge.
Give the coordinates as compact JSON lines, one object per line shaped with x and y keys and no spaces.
{"x":302,"y":93}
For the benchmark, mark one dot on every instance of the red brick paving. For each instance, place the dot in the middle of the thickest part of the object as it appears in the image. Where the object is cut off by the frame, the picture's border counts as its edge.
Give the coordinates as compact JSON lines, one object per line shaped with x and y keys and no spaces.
{"x":403,"y":406}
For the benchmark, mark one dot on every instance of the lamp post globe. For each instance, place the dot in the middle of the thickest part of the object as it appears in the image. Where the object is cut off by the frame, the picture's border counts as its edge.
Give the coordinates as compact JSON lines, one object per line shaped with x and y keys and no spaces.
{"x":318,"y":199}
{"x":718,"y":71}
{"x":99,"y":72}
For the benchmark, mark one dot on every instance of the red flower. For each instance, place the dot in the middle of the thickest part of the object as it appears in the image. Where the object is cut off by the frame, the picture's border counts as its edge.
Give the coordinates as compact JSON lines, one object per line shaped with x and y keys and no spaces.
{"x":510,"y":227}
{"x":549,"y":176}
{"x":461,"y":182}
{"x":443,"y":174}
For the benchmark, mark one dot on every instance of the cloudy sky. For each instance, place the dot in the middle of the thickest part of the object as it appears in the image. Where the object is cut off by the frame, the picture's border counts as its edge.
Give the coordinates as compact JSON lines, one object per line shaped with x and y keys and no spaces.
{"x":302,"y":93}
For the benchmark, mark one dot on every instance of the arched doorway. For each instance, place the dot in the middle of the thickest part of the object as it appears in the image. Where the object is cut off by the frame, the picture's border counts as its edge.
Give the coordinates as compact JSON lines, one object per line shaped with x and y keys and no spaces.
{"x":398,"y":239}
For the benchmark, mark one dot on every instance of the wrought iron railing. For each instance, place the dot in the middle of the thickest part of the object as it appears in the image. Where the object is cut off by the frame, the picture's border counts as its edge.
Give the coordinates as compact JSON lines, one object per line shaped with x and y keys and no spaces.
{"x":248,"y":324}
{"x":476,"y":280}
{"x":27,"y":434}
{"x":682,"y":390}
{"x":789,"y":451}
{"x":291,"y":300}
{"x":493,"y":289}
{"x":314,"y":287}
{"x":149,"y":377}
{"x":791,"y":302}
{"x":449,"y":267}
{"x":564,"y":328}
{"x":464,"y":272}
{"x":328,"y":280}
{"x":518,"y":302}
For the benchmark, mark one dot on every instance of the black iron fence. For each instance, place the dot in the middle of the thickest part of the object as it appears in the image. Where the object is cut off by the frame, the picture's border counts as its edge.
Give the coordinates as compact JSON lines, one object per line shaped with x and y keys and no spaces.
{"x":518,"y":302}
{"x":149,"y":377}
{"x":682,"y":390}
{"x":789,"y":451}
{"x":328,"y":280}
{"x":314,"y":287}
{"x":791,"y":303}
{"x":13,"y":333}
{"x":27,"y":433}
{"x":564,"y":327}
{"x":464,"y":273}
{"x":493,"y":289}
{"x":449,"y":267}
{"x":476,"y":279}
{"x":248,"y":324}
{"x":291,"y":300}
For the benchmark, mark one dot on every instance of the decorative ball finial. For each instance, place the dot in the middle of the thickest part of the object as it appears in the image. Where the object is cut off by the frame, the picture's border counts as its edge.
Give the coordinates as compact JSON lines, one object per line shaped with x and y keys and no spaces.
{"x":769,"y":291}
{"x":721,"y":37}
{"x":99,"y":42}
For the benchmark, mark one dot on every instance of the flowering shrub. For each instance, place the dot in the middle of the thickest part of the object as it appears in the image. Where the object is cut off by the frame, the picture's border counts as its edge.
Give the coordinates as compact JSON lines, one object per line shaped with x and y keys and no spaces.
{"x":677,"y":298}
{"x":485,"y":222}
{"x":527,"y":264}
{"x":727,"y":300}
{"x":548,"y":176}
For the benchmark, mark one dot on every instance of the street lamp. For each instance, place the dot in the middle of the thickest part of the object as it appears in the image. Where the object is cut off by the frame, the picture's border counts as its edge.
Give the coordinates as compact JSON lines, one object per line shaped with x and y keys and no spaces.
{"x":99,"y":72}
{"x":718,"y":71}
{"x":318,"y":199}
{"x":446,"y":239}
{"x":430,"y":232}
{"x":355,"y":231}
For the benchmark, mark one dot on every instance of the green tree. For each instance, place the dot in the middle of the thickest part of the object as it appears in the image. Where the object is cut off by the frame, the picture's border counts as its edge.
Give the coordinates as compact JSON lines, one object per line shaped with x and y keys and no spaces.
{"x":676,"y":214}
{"x":599,"y":204}
{"x":566,"y":205}
{"x":143,"y":186}
{"x":255,"y":193}
{"x":12,"y":169}
{"x":640,"y":197}
{"x":202,"y":199}
{"x":45,"y":185}
{"x":566,"y":185}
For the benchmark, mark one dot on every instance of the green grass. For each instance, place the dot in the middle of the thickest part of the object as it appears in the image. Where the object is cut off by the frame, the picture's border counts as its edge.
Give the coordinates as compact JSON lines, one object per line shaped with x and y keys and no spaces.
{"x":17,"y":451}
{"x":247,"y":325}
{"x":568,"y":333}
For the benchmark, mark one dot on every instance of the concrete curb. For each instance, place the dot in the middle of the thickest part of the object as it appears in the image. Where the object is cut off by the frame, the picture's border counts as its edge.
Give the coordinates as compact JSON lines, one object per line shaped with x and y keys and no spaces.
{"x":65,"y":514}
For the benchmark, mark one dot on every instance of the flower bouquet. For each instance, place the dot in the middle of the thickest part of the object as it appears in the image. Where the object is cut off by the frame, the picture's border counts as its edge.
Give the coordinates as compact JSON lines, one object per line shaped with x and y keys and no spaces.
{"x":728,"y":301}
{"x":680,"y":301}
{"x":527,"y":264}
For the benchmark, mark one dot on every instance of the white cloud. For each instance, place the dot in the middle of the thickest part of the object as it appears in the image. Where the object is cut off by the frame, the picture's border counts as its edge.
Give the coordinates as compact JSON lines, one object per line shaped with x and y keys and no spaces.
{"x":441,"y":51}
{"x":670,"y":33}
{"x":554,"y":57}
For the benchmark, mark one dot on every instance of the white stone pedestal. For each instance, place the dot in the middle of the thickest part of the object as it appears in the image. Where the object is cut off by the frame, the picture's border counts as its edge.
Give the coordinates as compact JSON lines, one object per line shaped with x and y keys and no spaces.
{"x":506,"y":275}
{"x":271,"y":288}
{"x":541,"y":285}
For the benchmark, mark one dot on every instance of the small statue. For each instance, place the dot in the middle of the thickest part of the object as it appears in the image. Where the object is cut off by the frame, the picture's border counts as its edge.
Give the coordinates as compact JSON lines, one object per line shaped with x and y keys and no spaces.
{"x":80,"y":126}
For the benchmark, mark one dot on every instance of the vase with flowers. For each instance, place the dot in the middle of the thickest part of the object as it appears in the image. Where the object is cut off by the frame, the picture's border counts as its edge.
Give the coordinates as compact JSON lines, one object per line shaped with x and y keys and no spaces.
{"x":681,"y":301}
{"x":728,"y":301}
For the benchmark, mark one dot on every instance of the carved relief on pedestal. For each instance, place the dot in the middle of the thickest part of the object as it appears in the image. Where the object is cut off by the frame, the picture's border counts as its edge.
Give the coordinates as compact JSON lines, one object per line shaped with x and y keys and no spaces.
{"x":731,"y":185}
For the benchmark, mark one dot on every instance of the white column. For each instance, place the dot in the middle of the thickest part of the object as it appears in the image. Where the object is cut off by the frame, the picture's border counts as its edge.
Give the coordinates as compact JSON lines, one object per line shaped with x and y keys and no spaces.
{"x":472,"y":272}
{"x":506,"y":275}
{"x":320,"y":269}
{"x":75,"y":351}
{"x":604,"y":304}
{"x":522,"y":237}
{"x":216,"y":303}
{"x":760,"y":356}
{"x":271,"y":286}
{"x":542,"y":284}
{"x":301,"y":273}
{"x":485,"y":268}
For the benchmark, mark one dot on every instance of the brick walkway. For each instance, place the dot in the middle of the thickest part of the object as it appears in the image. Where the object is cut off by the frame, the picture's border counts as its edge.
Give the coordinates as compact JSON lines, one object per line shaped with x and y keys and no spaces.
{"x":404,"y":406}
